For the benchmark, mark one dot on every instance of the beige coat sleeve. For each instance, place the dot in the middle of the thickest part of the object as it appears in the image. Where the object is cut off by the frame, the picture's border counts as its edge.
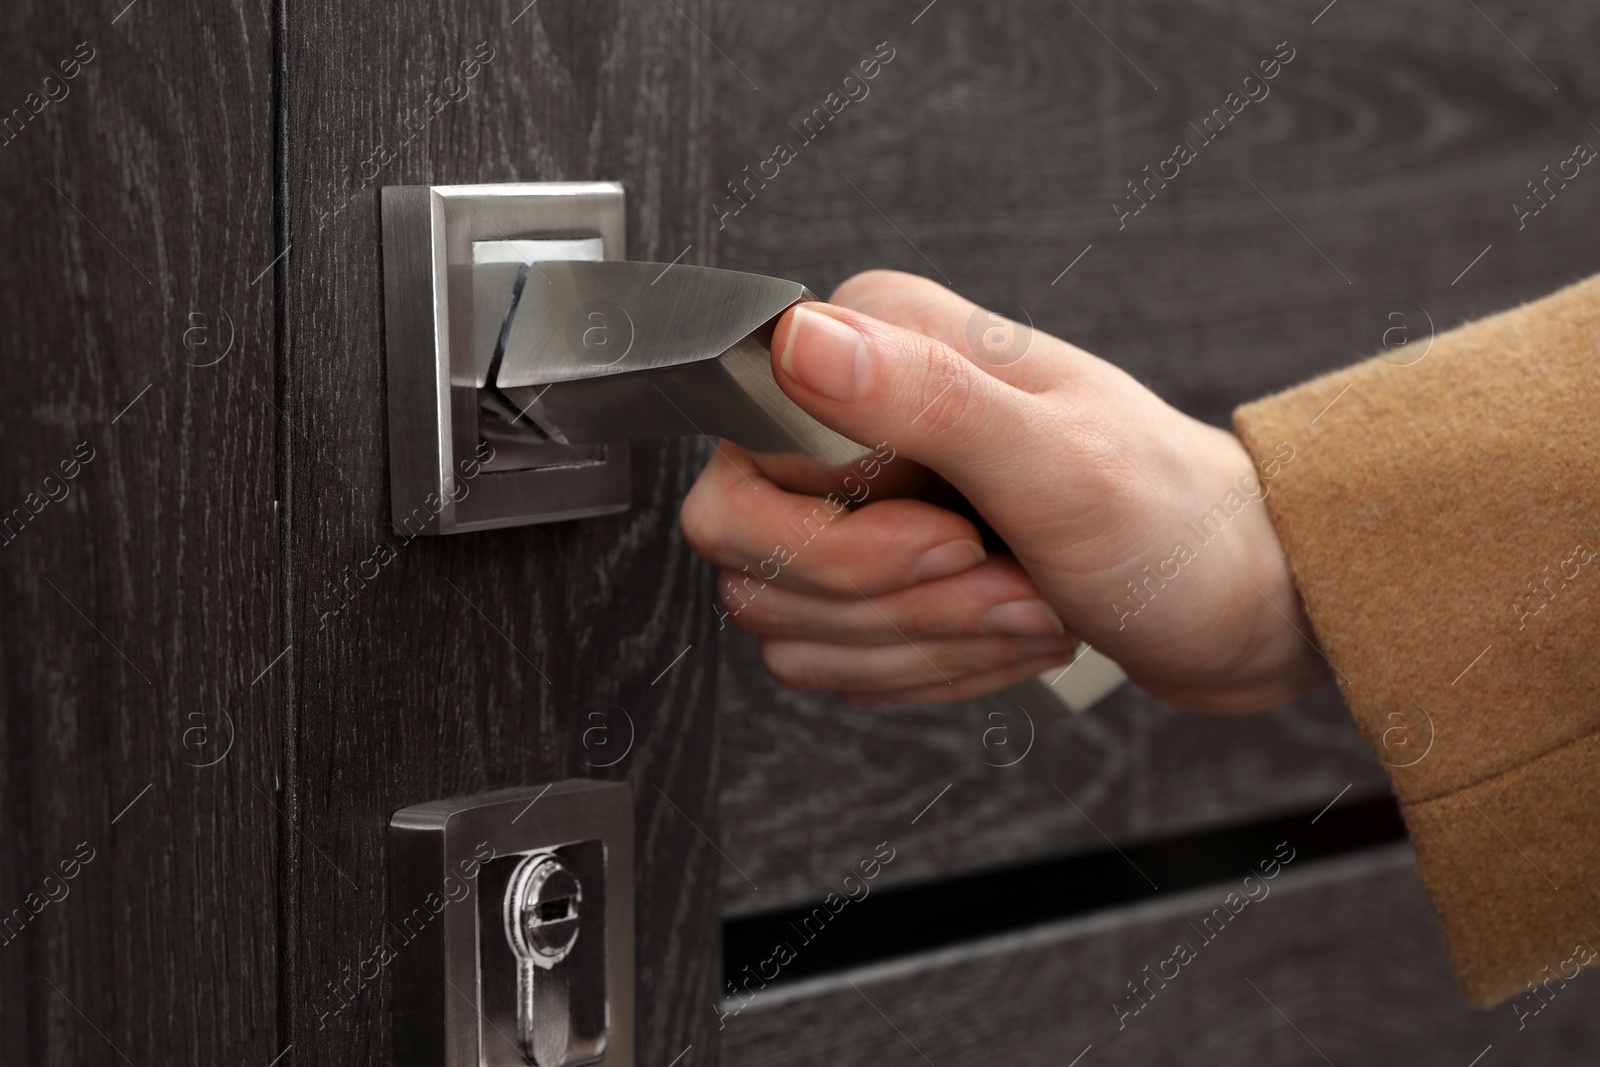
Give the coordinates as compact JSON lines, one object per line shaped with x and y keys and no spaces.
{"x":1442,"y":520}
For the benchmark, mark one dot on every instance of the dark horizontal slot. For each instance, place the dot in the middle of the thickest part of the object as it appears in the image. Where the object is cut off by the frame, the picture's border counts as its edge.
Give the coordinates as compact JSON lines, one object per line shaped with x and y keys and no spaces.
{"x":888,"y":923}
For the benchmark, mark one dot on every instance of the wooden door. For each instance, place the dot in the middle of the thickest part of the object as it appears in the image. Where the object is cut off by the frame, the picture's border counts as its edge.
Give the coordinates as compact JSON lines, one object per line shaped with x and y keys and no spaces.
{"x":142,"y":729}
{"x":211,"y":581}
{"x":223,"y":672}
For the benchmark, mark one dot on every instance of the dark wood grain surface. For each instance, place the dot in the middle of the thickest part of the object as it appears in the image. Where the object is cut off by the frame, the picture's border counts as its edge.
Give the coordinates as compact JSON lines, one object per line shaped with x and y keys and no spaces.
{"x":137,"y":859}
{"x":988,"y":153}
{"x":1332,"y":963}
{"x":239,"y":470}
{"x":478,"y":661}
{"x":810,"y":785}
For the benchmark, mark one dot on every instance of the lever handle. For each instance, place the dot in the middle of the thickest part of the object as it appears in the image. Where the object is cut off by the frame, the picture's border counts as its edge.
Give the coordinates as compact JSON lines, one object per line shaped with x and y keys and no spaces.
{"x":600,"y":351}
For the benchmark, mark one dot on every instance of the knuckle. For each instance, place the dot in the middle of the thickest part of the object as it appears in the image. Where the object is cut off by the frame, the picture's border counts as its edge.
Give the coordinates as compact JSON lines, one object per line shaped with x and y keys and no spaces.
{"x":942,"y":398}
{"x":699,"y":518}
{"x":750,"y":625}
{"x":956,"y":658}
{"x":740,"y":591}
{"x":930,"y":620}
{"x":728,"y":595}
{"x":865,"y":286}
{"x":750,"y":615}
{"x":788,"y":665}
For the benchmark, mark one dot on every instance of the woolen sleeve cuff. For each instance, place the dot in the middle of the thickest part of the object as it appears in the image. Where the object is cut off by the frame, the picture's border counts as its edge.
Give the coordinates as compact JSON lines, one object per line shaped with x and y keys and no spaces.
{"x":1442,"y":520}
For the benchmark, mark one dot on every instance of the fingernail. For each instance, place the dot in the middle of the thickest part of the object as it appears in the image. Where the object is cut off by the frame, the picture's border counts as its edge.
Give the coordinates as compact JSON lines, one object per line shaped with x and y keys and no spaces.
{"x":1024,"y":618}
{"x":952,"y":557}
{"x":824,"y":355}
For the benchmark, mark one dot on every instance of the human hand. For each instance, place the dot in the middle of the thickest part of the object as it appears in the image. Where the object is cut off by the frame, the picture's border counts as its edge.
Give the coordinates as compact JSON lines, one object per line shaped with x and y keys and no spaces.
{"x":1132,"y":525}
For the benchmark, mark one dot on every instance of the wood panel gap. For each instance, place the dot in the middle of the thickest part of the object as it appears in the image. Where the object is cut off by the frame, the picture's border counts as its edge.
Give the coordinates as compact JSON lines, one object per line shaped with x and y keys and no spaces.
{"x":891,"y":923}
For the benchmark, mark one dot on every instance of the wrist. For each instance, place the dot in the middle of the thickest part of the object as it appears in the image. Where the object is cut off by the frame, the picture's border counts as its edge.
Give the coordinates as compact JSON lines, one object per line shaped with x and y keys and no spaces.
{"x":1272,"y":656}
{"x":1281,"y":659}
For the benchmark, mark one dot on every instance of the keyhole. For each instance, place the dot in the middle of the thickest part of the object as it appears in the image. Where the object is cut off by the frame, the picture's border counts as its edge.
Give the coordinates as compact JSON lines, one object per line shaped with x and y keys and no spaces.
{"x":541,"y":914}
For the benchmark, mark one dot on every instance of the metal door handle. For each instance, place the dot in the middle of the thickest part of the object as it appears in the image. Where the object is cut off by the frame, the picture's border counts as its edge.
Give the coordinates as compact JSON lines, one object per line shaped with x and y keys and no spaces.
{"x":525,"y":351}
{"x":598,"y":351}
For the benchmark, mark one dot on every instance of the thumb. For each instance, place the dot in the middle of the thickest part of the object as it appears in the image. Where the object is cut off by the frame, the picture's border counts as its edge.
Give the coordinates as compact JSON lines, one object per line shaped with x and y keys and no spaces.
{"x":876,"y":383}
